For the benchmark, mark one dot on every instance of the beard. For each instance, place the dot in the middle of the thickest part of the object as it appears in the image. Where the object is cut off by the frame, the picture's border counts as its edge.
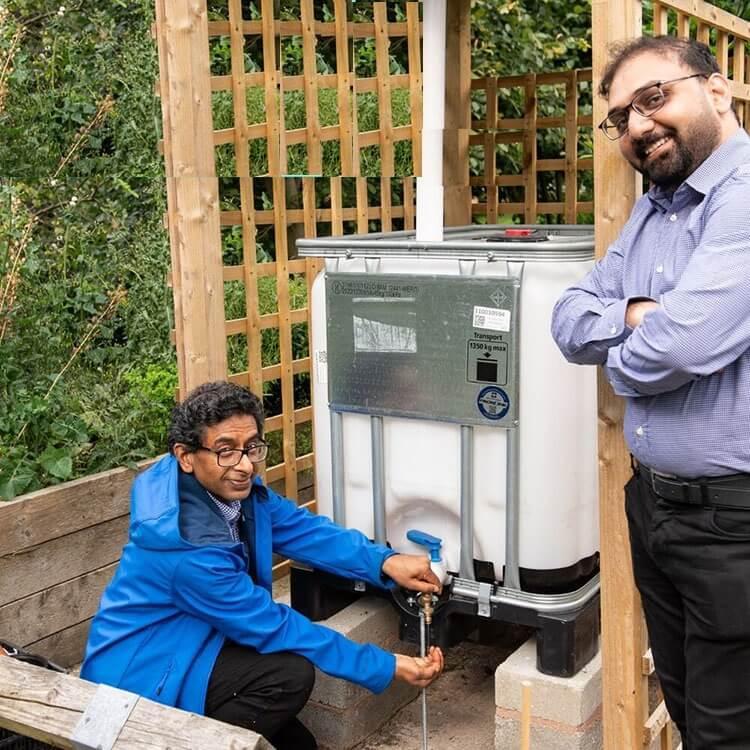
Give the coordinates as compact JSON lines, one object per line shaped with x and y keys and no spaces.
{"x":686,"y":151}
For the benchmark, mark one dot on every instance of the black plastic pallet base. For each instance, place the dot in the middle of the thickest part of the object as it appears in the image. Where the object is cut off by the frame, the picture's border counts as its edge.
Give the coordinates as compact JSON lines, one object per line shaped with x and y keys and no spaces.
{"x":565,"y":642}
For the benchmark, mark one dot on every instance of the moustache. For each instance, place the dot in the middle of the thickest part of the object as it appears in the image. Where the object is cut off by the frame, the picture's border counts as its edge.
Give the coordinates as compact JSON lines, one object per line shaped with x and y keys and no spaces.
{"x":642,"y":145}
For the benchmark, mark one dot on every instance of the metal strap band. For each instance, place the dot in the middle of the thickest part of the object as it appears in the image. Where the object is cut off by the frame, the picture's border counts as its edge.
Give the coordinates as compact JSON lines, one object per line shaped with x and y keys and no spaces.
{"x":103,"y":720}
{"x":484,"y":608}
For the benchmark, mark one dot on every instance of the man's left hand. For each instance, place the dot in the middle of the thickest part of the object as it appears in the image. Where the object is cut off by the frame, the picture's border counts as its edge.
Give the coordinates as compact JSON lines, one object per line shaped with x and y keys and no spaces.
{"x":413,"y":572}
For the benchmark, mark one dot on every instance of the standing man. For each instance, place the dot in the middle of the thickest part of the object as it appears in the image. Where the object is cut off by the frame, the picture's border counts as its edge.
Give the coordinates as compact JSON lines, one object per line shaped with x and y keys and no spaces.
{"x":667,"y":313}
{"x":188,"y":619}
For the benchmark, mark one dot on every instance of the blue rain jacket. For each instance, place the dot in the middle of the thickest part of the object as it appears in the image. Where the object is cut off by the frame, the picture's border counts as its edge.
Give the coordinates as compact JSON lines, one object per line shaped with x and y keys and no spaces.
{"x":182,"y":588}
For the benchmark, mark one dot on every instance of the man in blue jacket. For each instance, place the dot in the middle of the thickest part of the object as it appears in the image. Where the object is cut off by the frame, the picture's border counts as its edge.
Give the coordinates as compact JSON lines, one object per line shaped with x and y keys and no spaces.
{"x":188,"y":619}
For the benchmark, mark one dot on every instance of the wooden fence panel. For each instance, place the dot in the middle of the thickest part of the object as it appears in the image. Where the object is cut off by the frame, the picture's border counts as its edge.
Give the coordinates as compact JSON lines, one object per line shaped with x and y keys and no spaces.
{"x":338,"y":100}
{"x":518,"y":181}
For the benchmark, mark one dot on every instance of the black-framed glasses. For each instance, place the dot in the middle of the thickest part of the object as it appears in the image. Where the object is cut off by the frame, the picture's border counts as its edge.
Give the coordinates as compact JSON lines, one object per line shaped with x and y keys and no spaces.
{"x":228,"y":457}
{"x":646,"y":102}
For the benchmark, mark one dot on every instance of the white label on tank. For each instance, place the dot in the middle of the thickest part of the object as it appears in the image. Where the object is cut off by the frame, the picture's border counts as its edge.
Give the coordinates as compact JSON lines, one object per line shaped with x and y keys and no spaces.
{"x":491,"y":318}
{"x":321,"y":363}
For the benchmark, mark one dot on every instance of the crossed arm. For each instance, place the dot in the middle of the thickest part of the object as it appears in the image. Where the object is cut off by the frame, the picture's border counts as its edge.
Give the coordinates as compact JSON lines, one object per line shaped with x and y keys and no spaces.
{"x":692,"y":331}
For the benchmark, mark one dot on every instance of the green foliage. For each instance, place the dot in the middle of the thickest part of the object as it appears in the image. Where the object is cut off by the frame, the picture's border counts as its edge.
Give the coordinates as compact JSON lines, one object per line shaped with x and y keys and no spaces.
{"x":83,"y":247}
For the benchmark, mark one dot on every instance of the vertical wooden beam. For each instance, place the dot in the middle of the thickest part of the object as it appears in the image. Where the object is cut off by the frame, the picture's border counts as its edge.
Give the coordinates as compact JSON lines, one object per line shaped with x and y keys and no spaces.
{"x":386,"y":211}
{"x":661,"y":20}
{"x":285,"y":338}
{"x":457,"y":192}
{"x":722,"y":51}
{"x":195,"y":233}
{"x":312,"y":112}
{"x":530,"y":149}
{"x":571,"y":147}
{"x":171,"y":195}
{"x":415,"y":84}
{"x":683,"y":25}
{"x":738,"y":72}
{"x":362,"y":206}
{"x":242,"y":164}
{"x":615,"y":189}
{"x":409,"y":206}
{"x":383,"y":68}
{"x":490,"y":158}
{"x":273,"y":95}
{"x":337,"y":207}
{"x":344,"y":78}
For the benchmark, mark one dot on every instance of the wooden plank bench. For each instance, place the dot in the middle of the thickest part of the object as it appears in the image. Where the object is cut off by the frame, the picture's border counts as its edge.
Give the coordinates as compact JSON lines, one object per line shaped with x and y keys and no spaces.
{"x":47,"y":706}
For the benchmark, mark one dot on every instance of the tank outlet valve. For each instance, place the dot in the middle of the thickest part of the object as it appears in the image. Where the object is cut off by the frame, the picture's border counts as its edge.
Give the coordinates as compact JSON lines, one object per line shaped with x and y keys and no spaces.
{"x":433,"y":545}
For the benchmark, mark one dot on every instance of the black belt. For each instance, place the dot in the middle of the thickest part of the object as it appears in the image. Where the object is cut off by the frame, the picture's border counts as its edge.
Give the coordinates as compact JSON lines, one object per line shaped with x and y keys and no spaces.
{"x":708,"y":491}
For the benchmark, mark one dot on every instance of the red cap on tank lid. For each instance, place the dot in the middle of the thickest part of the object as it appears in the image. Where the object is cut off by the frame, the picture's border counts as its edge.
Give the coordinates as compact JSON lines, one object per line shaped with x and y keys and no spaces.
{"x":517,"y":232}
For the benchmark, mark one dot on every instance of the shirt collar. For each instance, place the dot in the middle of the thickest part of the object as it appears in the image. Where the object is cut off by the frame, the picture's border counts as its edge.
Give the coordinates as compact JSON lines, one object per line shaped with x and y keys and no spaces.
{"x":230,"y":509}
{"x":720,"y":163}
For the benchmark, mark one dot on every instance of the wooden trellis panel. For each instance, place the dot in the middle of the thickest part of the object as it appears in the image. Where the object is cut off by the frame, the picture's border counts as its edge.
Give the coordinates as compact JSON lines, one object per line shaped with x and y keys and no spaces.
{"x":255,"y":132}
{"x":236,"y":117}
{"x":293,"y":207}
{"x":321,"y":206}
{"x":504,"y":195}
{"x":630,"y":722}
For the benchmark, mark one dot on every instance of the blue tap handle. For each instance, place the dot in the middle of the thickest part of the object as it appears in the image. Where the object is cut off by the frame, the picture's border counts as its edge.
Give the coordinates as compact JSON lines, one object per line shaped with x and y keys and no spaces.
{"x":422,"y":538}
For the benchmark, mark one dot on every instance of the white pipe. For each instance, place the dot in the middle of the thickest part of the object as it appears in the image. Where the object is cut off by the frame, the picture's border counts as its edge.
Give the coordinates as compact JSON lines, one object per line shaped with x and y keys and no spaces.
{"x":430,"y":184}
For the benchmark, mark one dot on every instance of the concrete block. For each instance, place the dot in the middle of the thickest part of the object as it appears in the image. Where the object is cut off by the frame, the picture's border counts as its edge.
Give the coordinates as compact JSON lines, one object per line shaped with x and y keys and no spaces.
{"x":341,"y":714}
{"x":552,"y":737}
{"x":566,"y":711}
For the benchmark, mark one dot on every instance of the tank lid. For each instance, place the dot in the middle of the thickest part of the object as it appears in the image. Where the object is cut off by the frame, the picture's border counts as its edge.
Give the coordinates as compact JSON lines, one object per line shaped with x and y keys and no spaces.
{"x":530,"y":242}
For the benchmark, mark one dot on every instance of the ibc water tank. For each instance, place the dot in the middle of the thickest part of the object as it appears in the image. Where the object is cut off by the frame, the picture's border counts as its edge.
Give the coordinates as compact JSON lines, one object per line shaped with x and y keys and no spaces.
{"x":442,"y":403}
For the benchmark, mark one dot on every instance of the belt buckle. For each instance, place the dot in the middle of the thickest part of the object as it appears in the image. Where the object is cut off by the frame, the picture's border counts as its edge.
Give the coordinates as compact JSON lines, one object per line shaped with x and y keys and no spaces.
{"x":698,"y":497}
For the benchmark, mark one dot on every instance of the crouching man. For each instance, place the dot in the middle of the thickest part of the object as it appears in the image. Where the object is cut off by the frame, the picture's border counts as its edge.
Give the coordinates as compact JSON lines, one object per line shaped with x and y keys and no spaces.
{"x":188,"y":619}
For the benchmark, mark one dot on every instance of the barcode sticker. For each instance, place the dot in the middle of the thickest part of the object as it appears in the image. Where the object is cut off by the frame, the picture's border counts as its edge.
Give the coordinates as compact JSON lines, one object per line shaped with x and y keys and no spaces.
{"x":491,"y":319}
{"x":321,"y":361}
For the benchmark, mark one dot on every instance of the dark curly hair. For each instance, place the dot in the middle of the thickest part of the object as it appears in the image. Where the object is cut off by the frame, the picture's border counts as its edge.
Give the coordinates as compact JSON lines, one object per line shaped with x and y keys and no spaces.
{"x":693,"y":55}
{"x":207,"y":405}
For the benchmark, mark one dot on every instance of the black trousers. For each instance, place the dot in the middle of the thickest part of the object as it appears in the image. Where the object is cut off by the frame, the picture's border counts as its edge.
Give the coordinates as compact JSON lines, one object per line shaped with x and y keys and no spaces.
{"x":692,"y":568}
{"x":262,"y":692}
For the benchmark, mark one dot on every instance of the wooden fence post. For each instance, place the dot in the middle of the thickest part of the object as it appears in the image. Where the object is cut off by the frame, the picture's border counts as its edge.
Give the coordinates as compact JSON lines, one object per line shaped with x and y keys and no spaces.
{"x":623,"y":636}
{"x":192,"y":191}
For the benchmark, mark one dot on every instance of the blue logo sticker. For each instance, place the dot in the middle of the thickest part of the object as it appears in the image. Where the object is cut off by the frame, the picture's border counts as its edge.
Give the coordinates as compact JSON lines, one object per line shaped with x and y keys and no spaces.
{"x":493,"y":402}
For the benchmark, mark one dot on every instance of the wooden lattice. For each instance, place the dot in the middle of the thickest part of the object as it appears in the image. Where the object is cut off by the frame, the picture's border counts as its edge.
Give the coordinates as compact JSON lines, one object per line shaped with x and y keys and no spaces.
{"x":509,"y":150}
{"x":295,"y":207}
{"x":273,"y":117}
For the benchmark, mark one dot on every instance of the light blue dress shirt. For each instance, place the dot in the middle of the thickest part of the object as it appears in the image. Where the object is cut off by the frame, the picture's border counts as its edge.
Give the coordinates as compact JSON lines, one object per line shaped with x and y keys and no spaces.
{"x":685,"y":370}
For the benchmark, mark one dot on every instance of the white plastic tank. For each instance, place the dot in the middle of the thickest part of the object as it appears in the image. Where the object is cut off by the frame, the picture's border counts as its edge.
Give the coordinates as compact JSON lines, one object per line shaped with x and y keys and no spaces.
{"x":551,"y":423}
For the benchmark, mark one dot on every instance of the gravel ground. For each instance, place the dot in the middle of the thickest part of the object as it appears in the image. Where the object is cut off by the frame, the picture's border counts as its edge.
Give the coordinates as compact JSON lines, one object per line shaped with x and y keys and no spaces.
{"x":460,"y":704}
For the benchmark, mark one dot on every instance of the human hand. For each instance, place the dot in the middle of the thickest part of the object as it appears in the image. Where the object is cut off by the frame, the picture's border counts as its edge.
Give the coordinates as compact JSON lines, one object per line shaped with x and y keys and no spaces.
{"x":413,"y":572}
{"x":636,"y":311}
{"x":420,"y":670}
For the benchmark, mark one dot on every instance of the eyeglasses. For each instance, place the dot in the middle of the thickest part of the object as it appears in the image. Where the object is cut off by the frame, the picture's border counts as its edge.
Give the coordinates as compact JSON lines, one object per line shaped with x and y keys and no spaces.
{"x":228,"y":457}
{"x":646,"y":103}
